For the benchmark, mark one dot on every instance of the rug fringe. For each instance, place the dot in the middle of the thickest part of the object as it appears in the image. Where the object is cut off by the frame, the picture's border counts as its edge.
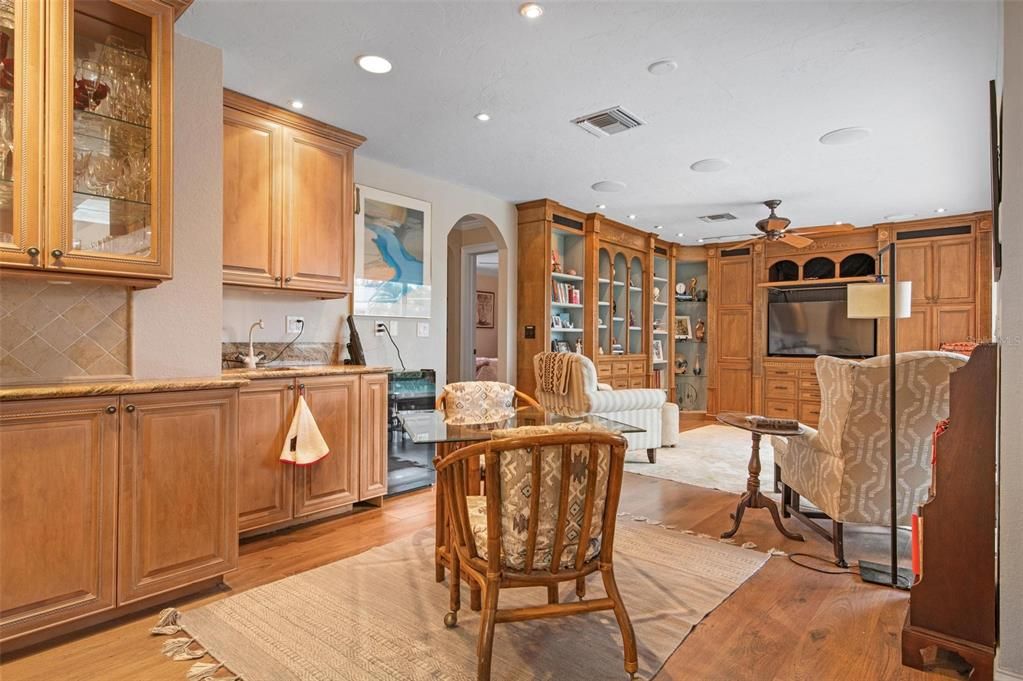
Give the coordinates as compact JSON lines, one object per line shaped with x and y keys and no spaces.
{"x":178,"y":649}
{"x":168,"y":623}
{"x":201,"y":671}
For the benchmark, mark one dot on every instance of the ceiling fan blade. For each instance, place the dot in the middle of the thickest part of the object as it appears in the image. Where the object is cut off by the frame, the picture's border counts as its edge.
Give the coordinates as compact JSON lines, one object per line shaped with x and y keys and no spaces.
{"x":795,"y":240}
{"x":823,"y":229}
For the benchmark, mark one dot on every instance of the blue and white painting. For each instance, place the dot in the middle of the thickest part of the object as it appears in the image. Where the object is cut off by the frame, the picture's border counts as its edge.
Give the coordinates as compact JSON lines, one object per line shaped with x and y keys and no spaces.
{"x":392,"y":255}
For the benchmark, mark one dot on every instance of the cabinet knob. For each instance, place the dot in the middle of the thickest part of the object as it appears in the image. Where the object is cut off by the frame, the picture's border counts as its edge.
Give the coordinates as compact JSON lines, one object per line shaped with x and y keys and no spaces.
{"x":277,"y":278}
{"x":33,"y":252}
{"x":291,"y":387}
{"x":111,"y":409}
{"x":301,"y":386}
{"x":287,"y":279}
{"x":57,"y":253}
{"x":130,"y":408}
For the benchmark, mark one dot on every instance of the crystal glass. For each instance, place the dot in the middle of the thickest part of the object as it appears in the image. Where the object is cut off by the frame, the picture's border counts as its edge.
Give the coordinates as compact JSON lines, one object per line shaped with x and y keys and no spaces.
{"x":8,"y":41}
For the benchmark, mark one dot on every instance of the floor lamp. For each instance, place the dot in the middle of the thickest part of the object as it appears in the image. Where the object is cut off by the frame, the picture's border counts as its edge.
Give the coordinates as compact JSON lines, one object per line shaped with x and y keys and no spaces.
{"x":885,"y":298}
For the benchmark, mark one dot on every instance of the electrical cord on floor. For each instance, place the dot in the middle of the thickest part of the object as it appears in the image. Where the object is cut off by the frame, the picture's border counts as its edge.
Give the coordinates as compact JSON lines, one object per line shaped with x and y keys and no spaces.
{"x":290,"y":343}
{"x":823,"y":559}
{"x":396,"y":348}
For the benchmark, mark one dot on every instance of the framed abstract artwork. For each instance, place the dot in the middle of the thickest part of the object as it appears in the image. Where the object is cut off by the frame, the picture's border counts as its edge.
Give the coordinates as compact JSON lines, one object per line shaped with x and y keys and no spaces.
{"x":392,"y":255}
{"x":484,"y":309}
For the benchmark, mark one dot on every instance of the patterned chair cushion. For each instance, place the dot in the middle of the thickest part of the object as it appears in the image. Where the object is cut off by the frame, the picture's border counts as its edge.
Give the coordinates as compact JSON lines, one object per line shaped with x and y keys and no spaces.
{"x":516,"y":470}
{"x":472,"y":402}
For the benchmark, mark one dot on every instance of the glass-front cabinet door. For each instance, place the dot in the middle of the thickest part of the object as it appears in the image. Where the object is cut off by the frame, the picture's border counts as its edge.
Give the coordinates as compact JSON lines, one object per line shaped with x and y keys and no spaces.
{"x":110,"y":130}
{"x":21,"y":131}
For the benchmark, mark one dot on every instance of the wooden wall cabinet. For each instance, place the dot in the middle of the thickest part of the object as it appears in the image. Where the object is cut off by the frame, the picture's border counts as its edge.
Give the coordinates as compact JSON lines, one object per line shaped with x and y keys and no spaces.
{"x":109,"y":502}
{"x":289,"y":200}
{"x":351,"y":413}
{"x":731,"y":387}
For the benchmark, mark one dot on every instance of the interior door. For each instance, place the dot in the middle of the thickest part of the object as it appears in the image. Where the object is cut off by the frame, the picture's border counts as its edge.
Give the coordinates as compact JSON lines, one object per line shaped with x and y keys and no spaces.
{"x":253,"y":149}
{"x":265,"y":485}
{"x":319,"y":229}
{"x":333,"y":481}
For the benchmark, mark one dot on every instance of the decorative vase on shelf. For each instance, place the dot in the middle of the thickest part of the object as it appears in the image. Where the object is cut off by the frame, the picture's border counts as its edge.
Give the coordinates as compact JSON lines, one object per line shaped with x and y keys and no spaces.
{"x":701,"y":331}
{"x":697,"y":369}
{"x":701,"y":295}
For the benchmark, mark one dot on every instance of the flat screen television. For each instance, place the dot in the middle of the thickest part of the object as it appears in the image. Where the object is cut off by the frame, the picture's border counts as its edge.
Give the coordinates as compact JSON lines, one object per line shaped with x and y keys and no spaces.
{"x":809,"y":328}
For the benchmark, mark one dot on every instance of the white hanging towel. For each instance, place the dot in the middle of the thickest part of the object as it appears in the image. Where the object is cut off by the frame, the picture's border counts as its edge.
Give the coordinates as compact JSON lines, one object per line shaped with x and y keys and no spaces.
{"x":304,"y":444}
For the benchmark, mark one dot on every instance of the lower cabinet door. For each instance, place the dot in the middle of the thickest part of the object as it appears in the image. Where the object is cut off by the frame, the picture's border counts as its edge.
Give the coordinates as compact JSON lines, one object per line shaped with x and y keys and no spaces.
{"x":373,"y":447}
{"x":58,"y":493}
{"x":178,"y":512}
{"x":265,"y":484}
{"x":734,"y":388}
{"x":333,"y":481}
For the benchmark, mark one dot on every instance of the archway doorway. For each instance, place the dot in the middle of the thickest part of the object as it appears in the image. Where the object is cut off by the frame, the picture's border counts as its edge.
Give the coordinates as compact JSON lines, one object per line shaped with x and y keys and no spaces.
{"x":477,"y":307}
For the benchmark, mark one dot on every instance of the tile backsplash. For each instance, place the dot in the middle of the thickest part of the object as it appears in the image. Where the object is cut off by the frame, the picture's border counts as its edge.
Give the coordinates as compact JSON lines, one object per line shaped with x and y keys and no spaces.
{"x":297,"y":353}
{"x":55,"y":332}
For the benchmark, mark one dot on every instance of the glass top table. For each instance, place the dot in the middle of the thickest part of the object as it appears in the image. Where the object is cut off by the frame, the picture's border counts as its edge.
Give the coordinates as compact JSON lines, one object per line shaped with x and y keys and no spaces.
{"x":430,"y":427}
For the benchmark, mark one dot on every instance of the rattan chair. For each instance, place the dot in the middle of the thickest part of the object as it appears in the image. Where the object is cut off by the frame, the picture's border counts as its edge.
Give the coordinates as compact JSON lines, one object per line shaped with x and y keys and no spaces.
{"x":548,"y":489}
{"x":484,"y":394}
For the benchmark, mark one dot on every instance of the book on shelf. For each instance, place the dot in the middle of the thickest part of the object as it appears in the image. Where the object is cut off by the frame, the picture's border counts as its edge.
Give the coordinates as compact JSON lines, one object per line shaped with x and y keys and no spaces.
{"x":563,"y":292}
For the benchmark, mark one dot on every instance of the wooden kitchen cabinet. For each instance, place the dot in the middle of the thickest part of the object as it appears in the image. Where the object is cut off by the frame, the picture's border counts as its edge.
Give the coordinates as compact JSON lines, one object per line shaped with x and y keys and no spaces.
{"x":265,"y":485}
{"x":333,"y":481}
{"x":373,"y":436}
{"x":58,"y":495}
{"x":289,"y":200}
{"x":178,"y":513}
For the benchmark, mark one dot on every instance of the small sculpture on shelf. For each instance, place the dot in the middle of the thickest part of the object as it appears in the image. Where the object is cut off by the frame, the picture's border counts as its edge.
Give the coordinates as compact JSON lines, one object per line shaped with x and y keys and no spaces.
{"x":555,"y":264}
{"x":697,"y":369}
{"x":681,"y":365}
{"x":571,"y":272}
{"x":579,"y":346}
{"x":632,"y":320}
{"x":692,"y":288}
{"x":680,"y":292}
{"x":657,"y":294}
{"x":701,"y":295}
{"x":700,"y":332}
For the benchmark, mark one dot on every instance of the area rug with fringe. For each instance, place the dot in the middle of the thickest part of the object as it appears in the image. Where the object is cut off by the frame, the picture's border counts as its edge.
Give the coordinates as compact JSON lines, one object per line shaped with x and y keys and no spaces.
{"x":380,"y":616}
{"x":713,"y":456}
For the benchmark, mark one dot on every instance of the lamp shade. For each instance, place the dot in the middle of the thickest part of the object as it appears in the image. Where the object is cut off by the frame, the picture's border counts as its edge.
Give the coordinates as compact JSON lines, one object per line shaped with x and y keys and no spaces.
{"x":870,"y":300}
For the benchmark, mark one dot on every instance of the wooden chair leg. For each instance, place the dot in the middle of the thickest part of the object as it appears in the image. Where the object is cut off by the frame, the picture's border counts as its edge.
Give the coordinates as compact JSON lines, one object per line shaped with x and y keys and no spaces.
{"x":838,"y":542}
{"x":580,"y":587}
{"x":651,"y":455}
{"x":786,"y":500}
{"x":475,"y":599}
{"x":624,"y":623}
{"x":454,"y":592}
{"x":552,"y":594}
{"x":795,"y":499}
{"x":488,"y":618}
{"x":777,"y":478}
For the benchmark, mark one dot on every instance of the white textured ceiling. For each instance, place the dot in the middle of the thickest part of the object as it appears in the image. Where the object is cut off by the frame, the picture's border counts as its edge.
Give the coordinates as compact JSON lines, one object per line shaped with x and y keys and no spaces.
{"x":758,"y":83}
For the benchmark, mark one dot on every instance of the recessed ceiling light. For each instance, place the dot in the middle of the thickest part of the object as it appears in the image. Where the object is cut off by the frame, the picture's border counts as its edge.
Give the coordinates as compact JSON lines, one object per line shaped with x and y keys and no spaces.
{"x":658,"y":226}
{"x":632,"y":216}
{"x":373,"y":63}
{"x":296,"y":104}
{"x":662,"y":67}
{"x":710,"y":165}
{"x":845,"y":136}
{"x":531,"y":10}
{"x":900,"y":216}
{"x":481,"y":116}
{"x":680,"y":234}
{"x":601,"y":206}
{"x":939,"y":210}
{"x":839,"y":222}
{"x":608,"y":186}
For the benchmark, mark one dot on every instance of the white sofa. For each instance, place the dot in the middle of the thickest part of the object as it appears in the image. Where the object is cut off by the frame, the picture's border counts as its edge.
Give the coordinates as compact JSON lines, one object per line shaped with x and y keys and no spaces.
{"x":645,"y":408}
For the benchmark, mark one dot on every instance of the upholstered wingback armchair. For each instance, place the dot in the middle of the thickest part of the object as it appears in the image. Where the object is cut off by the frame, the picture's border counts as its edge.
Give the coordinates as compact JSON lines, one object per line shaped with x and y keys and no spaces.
{"x":842,"y":466}
{"x":644,"y":408}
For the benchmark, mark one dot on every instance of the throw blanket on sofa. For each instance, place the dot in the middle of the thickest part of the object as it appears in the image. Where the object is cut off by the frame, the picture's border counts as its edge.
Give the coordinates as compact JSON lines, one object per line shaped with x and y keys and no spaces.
{"x":553,"y":372}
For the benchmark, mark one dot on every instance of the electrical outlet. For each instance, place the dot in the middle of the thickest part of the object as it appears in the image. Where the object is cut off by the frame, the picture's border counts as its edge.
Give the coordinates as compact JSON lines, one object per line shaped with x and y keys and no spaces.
{"x":293,"y":324}
{"x":423,"y":329}
{"x":380,"y":328}
{"x":394,"y":327}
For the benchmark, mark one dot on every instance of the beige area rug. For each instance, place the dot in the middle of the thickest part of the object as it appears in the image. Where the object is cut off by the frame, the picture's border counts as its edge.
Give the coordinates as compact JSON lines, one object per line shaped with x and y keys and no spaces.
{"x":379,"y":616}
{"x":713,"y":456}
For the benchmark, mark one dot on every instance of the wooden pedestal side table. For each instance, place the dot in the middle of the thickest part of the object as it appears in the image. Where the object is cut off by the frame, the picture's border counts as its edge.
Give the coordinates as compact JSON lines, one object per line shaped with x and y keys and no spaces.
{"x":753,"y":497}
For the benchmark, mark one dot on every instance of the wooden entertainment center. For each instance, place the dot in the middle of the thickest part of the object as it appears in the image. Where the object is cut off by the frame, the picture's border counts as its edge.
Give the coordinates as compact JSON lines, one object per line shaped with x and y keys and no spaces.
{"x":624,"y":280}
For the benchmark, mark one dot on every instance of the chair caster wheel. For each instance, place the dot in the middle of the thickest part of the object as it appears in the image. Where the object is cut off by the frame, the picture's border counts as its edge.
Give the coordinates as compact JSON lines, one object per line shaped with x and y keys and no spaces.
{"x":451,"y":620}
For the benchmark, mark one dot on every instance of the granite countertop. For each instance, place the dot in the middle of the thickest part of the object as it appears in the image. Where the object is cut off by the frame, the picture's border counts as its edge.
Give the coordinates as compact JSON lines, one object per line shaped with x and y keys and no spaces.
{"x":290,"y":371}
{"x":123,"y":387}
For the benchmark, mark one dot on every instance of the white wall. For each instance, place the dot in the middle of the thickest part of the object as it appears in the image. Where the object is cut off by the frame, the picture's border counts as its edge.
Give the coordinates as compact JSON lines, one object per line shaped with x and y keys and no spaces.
{"x":177,"y":324}
{"x":1010,"y":333}
{"x":449,"y":203}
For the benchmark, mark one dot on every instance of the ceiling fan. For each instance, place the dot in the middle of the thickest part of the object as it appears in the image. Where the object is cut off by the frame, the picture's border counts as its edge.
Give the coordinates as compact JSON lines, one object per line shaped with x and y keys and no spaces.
{"x":775,"y":228}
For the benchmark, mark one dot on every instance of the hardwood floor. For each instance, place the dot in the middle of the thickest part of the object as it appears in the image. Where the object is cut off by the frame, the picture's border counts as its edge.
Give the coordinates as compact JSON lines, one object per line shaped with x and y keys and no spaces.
{"x":786,"y":623}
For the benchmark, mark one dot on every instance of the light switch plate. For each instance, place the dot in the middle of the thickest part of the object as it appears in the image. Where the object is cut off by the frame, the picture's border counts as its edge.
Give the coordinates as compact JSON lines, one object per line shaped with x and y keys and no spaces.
{"x":293,"y":324}
{"x":423,"y":329}
{"x":394,"y":327}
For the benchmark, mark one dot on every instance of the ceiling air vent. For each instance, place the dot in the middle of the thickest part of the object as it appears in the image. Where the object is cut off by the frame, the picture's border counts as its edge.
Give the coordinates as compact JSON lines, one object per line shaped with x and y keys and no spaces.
{"x":718,"y":217}
{"x":608,"y":122}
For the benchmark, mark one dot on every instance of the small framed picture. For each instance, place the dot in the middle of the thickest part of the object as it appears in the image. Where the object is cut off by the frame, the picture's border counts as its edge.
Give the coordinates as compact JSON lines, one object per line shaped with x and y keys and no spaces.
{"x":563,"y":346}
{"x":683,"y":327}
{"x":658,"y":351}
{"x":555,"y":322}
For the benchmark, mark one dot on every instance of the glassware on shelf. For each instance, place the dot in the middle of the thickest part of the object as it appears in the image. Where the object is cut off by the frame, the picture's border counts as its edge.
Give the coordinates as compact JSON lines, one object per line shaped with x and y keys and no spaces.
{"x":6,"y":135}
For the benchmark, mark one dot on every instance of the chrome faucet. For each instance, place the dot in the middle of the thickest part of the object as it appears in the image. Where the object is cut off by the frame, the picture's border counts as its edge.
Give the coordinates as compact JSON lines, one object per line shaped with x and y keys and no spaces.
{"x":252,"y":359}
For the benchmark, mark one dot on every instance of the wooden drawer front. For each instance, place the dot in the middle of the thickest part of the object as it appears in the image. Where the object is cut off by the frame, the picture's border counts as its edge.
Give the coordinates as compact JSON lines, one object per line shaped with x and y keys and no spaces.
{"x":781,"y":388}
{"x":604,"y":370}
{"x":780,"y":372}
{"x":620,"y":383}
{"x":620,"y":369}
{"x":809,"y":390}
{"x":810,"y":412}
{"x":781,"y":409}
{"x":637,"y":367}
{"x":637,"y":382}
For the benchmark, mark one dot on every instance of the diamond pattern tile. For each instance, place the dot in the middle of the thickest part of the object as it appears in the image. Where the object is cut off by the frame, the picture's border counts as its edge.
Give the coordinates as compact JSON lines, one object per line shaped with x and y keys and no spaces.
{"x":50,"y":332}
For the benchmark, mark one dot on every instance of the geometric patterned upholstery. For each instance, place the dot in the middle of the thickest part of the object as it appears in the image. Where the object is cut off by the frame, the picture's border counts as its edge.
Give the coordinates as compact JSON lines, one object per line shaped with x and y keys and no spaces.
{"x":474,"y":402}
{"x":842,"y":466}
{"x":515,"y":474}
{"x":641,"y":407}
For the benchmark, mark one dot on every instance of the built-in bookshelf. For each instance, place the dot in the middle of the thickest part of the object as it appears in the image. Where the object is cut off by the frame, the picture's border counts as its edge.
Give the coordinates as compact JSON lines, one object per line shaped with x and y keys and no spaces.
{"x":568,"y":289}
{"x":661,"y":346}
{"x":689,"y":335}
